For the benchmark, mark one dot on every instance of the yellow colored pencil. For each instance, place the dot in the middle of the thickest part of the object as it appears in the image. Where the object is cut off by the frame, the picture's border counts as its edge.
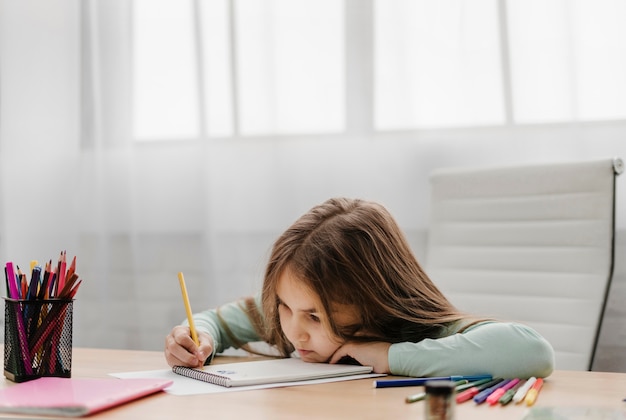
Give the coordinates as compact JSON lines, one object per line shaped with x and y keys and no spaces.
{"x":192,"y":327}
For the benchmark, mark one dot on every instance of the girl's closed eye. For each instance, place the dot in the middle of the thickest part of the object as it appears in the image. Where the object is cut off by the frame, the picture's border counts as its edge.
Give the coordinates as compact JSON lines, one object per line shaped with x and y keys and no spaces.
{"x":314,"y":318}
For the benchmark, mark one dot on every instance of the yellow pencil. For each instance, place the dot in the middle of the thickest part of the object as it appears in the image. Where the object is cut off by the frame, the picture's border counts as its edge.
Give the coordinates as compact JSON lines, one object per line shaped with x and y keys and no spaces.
{"x":192,"y":327}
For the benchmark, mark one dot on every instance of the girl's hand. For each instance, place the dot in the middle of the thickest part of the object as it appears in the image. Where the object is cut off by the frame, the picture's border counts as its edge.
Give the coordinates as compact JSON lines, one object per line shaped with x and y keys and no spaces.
{"x":180,"y":349}
{"x":374,"y":354}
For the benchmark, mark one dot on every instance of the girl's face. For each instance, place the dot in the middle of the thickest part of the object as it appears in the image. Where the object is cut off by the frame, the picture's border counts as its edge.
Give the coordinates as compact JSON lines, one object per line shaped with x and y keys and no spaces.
{"x":302,"y":319}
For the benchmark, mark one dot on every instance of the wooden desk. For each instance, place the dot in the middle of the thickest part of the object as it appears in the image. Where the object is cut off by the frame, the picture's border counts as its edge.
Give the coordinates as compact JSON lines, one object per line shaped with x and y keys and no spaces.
{"x":350,"y":399}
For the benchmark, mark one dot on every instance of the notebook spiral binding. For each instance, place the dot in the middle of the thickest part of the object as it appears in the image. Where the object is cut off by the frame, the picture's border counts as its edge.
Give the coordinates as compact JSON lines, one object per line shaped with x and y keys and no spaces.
{"x":211,"y":378}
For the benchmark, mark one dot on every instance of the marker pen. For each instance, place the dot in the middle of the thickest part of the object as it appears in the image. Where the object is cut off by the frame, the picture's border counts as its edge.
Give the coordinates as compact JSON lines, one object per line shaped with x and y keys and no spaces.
{"x":469,"y":393}
{"x":521,"y":393}
{"x":482,"y":396}
{"x":495,"y":395}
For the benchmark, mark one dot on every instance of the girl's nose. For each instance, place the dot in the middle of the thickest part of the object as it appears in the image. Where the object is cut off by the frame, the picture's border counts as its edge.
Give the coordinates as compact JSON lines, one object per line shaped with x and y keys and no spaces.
{"x":300,"y":333}
{"x":303,"y":336}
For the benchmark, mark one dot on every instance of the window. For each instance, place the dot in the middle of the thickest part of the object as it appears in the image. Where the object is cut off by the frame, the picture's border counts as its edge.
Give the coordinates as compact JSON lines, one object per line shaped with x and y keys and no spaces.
{"x":449,"y":63}
{"x":224,"y":68}
{"x":437,"y":64}
{"x":165,"y":70}
{"x":250,"y":67}
{"x":571,"y":65}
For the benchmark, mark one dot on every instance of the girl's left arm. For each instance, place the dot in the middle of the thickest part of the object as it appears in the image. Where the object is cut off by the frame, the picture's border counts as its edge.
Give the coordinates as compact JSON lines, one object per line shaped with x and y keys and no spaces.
{"x":507,"y":350}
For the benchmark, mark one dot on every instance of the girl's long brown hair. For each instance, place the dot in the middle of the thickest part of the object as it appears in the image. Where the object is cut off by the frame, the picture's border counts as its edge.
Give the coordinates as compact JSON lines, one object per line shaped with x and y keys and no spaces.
{"x":351,"y":251}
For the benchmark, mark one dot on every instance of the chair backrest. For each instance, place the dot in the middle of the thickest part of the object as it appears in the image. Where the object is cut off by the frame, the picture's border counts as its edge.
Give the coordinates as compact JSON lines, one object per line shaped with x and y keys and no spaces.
{"x":531,"y":243}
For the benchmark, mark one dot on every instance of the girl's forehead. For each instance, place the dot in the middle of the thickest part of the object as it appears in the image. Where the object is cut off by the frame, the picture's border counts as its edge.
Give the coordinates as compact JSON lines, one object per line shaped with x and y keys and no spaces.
{"x":291,"y":287}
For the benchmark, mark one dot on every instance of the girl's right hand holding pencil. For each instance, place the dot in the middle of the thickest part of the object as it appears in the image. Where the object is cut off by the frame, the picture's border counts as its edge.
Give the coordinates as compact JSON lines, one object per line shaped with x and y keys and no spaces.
{"x":180,"y":349}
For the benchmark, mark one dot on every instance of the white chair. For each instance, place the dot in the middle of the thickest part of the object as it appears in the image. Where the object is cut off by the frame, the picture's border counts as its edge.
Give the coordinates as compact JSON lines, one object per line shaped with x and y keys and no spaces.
{"x":531,"y":243}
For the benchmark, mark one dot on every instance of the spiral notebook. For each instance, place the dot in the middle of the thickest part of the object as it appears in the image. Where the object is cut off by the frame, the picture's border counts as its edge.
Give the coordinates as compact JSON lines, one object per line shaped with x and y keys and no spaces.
{"x":268,"y":371}
{"x":74,"y":397}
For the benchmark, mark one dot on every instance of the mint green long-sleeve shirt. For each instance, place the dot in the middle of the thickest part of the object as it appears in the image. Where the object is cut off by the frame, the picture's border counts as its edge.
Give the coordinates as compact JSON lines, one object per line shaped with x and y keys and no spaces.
{"x":502,"y":349}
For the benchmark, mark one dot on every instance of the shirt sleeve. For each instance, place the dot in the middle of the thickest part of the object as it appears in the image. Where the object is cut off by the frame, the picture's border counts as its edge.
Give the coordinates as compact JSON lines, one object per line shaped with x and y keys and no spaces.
{"x":236,"y":320}
{"x":506,"y":350}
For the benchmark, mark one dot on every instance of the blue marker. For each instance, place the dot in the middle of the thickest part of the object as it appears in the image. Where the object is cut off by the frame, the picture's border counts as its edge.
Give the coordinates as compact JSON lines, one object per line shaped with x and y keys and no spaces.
{"x":392,"y":383}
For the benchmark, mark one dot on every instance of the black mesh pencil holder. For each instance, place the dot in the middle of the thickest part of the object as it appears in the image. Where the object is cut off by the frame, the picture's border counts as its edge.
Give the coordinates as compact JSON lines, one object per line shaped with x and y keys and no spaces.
{"x":37,"y":338}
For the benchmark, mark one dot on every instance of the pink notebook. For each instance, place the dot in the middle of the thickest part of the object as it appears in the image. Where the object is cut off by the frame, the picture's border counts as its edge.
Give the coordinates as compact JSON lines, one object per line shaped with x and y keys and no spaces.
{"x":74,"y":397}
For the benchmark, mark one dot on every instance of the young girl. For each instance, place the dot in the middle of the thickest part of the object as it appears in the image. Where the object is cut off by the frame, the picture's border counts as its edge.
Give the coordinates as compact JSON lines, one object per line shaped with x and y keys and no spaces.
{"x":342,"y":283}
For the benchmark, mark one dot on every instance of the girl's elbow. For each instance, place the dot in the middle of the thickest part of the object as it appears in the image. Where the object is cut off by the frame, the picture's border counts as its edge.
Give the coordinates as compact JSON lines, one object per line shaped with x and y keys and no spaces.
{"x":545,"y":369}
{"x":545,"y":360}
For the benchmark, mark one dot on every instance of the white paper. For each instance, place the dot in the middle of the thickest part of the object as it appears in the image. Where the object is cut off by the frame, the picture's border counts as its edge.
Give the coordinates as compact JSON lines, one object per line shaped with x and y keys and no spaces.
{"x":188,"y":386}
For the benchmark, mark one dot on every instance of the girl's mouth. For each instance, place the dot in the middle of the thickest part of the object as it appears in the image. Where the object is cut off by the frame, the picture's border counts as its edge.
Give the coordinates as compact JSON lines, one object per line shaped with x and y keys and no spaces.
{"x":304,"y":353}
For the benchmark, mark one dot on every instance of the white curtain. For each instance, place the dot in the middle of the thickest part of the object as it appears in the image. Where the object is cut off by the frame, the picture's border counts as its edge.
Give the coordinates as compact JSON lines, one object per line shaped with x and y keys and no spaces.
{"x":136,"y":213}
{"x":70,"y":180}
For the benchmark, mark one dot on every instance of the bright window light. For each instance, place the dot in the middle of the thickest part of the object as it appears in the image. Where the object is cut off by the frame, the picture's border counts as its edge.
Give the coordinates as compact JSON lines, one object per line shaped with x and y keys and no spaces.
{"x":571,"y":65}
{"x":437,"y":63}
{"x":165,"y":101}
{"x":290,"y":57}
{"x":217,"y":69}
